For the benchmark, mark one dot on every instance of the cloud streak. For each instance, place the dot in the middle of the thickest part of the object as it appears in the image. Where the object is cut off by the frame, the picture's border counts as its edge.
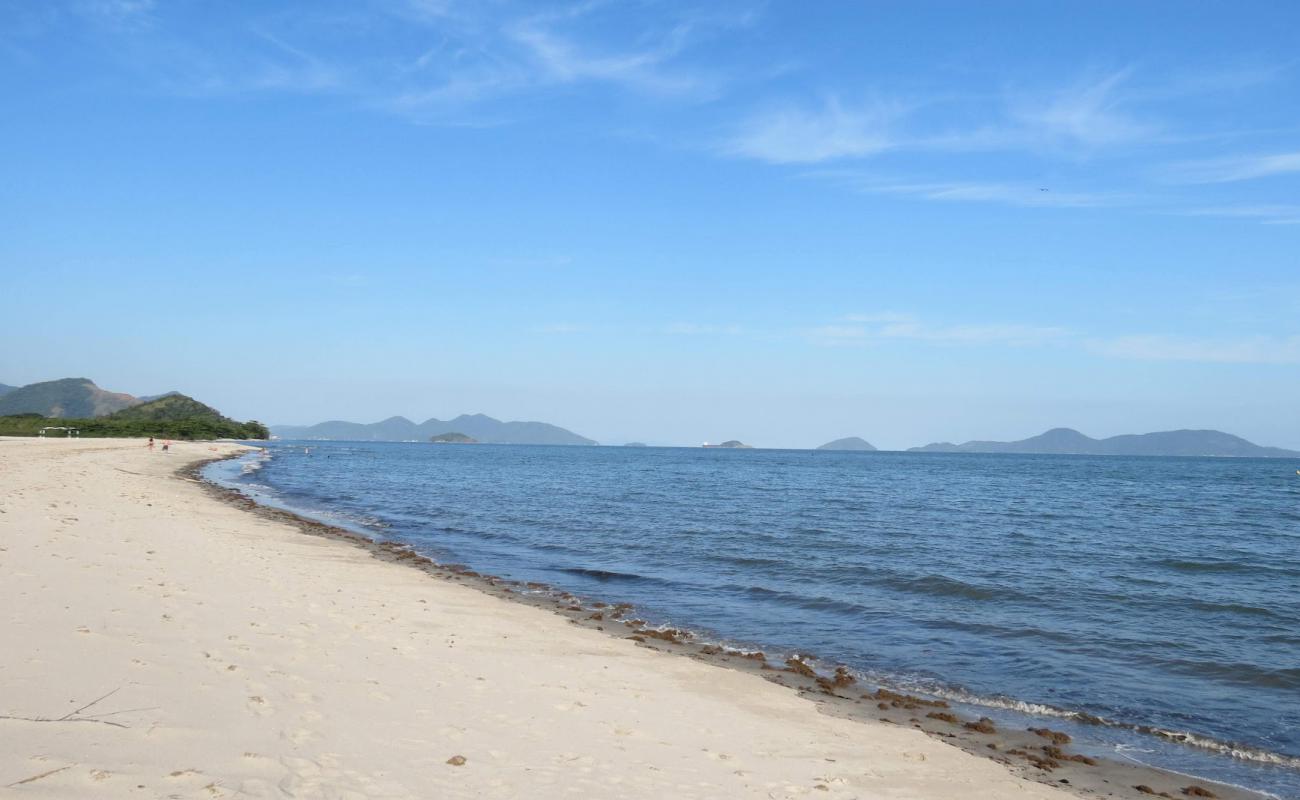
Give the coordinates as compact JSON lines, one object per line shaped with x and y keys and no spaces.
{"x":876,"y":330}
{"x":1088,"y":115}
{"x":1001,"y":193}
{"x":805,"y":135}
{"x":864,"y":329}
{"x":1235,"y":169}
{"x":1084,"y":117}
{"x":1277,"y":214}
{"x":1251,"y":350}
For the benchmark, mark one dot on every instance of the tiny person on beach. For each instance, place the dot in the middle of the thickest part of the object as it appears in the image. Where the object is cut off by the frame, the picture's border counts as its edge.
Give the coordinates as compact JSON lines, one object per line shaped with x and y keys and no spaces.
{"x":167,"y":445}
{"x":150,"y":445}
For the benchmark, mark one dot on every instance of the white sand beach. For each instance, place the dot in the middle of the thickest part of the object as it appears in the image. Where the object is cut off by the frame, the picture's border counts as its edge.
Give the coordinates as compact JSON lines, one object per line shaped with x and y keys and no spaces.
{"x":157,"y":642}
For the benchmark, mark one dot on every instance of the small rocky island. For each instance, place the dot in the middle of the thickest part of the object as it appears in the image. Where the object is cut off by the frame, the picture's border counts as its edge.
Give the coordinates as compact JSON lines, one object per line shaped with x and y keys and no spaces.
{"x":635,"y":444}
{"x":849,"y":443}
{"x":732,"y":444}
{"x":453,"y":438}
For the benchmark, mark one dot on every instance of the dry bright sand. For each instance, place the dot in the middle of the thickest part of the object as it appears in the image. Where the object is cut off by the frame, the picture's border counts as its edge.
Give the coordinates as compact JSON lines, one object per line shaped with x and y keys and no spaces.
{"x":157,"y":642}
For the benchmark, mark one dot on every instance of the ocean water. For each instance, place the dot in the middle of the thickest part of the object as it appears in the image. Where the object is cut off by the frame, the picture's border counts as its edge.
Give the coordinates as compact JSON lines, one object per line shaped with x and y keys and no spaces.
{"x":1157,"y":594}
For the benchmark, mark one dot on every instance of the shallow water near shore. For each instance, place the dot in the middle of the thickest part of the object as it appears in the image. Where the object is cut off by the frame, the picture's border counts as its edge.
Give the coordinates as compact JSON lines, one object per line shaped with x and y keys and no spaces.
{"x":1159,"y":593}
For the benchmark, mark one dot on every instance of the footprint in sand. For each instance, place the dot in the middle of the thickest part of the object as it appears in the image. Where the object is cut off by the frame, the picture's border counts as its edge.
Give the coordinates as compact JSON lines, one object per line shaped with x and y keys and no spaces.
{"x":298,"y":735}
{"x":259,"y":706}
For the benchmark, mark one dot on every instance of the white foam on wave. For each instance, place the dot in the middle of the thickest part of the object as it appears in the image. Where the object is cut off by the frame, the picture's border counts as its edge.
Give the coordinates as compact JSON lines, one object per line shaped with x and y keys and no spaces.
{"x":1007,"y":704}
{"x":252,"y":463}
{"x":1237,"y":751}
{"x":1226,"y":748}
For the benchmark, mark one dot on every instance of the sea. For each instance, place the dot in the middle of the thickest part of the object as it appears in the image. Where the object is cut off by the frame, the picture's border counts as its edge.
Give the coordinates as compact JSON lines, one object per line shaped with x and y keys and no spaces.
{"x":1148,"y":606}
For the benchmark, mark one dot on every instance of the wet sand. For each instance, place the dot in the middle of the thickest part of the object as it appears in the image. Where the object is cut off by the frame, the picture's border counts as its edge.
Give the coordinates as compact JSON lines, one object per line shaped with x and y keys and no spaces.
{"x":158,"y":642}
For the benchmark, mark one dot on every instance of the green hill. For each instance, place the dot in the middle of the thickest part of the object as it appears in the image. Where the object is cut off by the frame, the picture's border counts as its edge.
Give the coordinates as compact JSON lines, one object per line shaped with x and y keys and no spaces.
{"x":174,"y":416}
{"x":169,"y":407}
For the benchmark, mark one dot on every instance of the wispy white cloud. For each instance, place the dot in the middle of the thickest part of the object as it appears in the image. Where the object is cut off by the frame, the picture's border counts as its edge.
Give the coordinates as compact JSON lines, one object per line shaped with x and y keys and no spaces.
{"x":291,"y":68}
{"x":561,"y":59}
{"x":863,"y":329}
{"x":127,"y":13}
{"x":879,"y":316}
{"x":562,"y":327}
{"x":450,"y":62}
{"x":839,"y":335}
{"x":1251,"y":350}
{"x":1275,"y":214}
{"x":485,"y":55}
{"x":1008,"y":334}
{"x":1081,"y":118}
{"x":809,"y":134}
{"x":347,"y":280}
{"x":1090,"y":114}
{"x":1231,"y":170}
{"x":1003,"y":193}
{"x":878,"y":330}
{"x":699,"y":329}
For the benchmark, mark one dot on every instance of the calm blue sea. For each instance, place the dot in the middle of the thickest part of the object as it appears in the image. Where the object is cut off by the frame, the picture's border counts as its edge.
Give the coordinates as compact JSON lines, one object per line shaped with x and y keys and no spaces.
{"x":1155,"y":593}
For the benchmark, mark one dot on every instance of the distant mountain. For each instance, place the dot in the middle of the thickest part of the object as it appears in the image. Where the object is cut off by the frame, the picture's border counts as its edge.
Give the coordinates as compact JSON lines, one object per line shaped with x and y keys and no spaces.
{"x":732,"y":444}
{"x":849,"y":443}
{"x":6,"y":389}
{"x":1065,"y":441}
{"x":400,"y":429}
{"x":68,"y":397}
{"x":634,"y":444}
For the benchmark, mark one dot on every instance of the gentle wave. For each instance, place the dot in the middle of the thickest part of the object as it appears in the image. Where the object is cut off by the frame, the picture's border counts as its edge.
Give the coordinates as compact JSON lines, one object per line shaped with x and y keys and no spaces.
{"x":606,"y":575}
{"x":1216,"y":566}
{"x":942,"y":586}
{"x":1232,"y":608}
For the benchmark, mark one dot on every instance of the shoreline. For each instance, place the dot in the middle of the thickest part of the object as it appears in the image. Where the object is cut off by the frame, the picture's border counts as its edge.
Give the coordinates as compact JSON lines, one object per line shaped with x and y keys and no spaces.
{"x":1039,"y":755}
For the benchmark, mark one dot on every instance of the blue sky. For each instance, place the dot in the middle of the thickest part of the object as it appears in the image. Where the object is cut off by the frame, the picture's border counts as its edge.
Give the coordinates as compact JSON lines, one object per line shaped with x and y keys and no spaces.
{"x":668,"y":222}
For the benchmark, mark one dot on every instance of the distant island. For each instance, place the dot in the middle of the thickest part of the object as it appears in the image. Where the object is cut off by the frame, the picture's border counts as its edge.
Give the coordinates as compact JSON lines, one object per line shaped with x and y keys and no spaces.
{"x":1066,"y":441}
{"x":636,"y":444}
{"x":731,"y":444}
{"x":400,"y":429}
{"x":453,"y":438}
{"x":848,"y":443}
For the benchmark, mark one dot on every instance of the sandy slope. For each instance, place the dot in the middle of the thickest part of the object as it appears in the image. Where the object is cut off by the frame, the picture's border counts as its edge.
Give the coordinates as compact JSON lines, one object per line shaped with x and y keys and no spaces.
{"x":244,"y":658}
